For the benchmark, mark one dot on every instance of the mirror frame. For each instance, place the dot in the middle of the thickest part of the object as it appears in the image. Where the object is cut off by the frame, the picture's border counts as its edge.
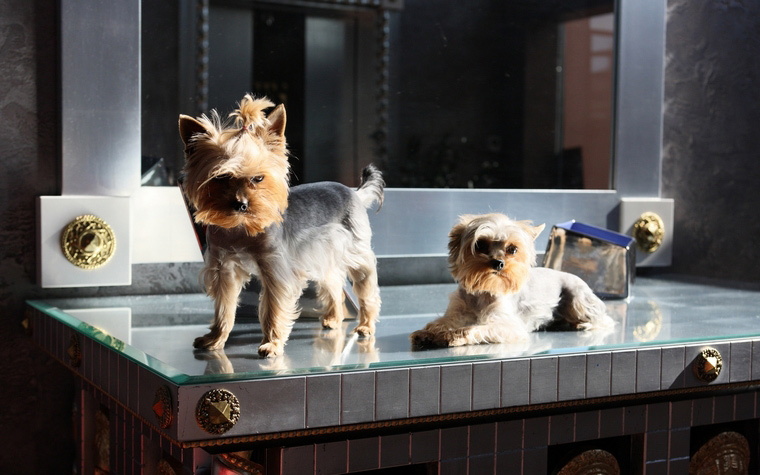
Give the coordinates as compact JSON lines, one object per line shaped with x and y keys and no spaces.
{"x":413,"y":222}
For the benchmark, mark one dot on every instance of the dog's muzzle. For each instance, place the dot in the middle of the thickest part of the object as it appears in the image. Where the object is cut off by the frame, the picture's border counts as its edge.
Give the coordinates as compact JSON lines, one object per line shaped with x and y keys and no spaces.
{"x":497,"y":264}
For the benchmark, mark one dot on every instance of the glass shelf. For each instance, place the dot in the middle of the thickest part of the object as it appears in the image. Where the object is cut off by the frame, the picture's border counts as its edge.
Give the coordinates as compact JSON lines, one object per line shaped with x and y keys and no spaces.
{"x":158,"y":331}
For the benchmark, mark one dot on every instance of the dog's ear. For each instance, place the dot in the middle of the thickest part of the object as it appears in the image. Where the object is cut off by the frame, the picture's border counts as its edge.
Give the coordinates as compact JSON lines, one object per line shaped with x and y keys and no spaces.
{"x":188,"y":127}
{"x":455,"y":241}
{"x":456,"y":234}
{"x":534,"y":230}
{"x":277,"y":121}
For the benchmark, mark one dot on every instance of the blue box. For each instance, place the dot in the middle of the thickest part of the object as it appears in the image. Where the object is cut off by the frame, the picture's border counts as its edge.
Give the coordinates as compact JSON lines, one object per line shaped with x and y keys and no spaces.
{"x":604,"y":259}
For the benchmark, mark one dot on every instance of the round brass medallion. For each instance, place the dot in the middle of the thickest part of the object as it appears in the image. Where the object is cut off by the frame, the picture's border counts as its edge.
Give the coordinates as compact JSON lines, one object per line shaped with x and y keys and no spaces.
{"x":162,"y":407}
{"x":26,"y":323}
{"x":592,"y":462}
{"x":217,"y":411}
{"x":165,"y":468}
{"x":649,"y":232}
{"x":708,"y":364}
{"x":88,"y":242}
{"x":74,"y":351}
{"x":727,"y":453}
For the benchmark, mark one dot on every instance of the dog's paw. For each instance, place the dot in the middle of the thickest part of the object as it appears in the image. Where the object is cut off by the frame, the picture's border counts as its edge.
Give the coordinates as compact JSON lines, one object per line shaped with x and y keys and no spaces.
{"x":453,"y":338}
{"x":271,"y":349}
{"x":428,"y":339}
{"x":330,"y":322}
{"x":209,"y":342}
{"x":423,"y":339}
{"x":364,"y":330}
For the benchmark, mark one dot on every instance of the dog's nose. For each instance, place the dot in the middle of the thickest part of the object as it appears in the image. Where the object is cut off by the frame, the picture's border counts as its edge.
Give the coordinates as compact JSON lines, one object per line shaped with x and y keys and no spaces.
{"x":241,"y":205}
{"x":497,"y":264}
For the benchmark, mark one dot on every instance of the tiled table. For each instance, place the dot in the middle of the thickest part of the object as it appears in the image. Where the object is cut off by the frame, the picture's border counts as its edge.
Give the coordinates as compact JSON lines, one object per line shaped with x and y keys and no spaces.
{"x":334,"y":403}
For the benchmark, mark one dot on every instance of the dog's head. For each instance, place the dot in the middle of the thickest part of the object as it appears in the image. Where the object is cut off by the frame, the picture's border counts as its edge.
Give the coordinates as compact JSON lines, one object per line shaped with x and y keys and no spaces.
{"x":236,"y":173}
{"x":491,"y":253}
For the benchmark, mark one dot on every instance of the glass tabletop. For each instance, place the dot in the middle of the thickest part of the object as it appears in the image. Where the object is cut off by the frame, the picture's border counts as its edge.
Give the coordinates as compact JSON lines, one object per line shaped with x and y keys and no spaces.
{"x":158,"y":331}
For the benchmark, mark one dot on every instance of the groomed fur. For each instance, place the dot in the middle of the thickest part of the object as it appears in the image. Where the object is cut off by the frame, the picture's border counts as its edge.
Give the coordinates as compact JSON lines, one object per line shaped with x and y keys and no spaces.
{"x":502,"y":297}
{"x":371,"y":188}
{"x":473,"y":270}
{"x":221,"y":159}
{"x":236,"y":178}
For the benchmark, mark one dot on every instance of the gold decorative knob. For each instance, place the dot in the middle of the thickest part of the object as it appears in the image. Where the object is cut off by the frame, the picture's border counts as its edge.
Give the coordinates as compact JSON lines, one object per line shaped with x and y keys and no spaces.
{"x":165,"y":468}
{"x":26,"y":323}
{"x":74,"y":351}
{"x":708,"y":365}
{"x":162,"y":407}
{"x":649,"y":232}
{"x":88,"y":242}
{"x":217,"y":411}
{"x":593,"y":461}
{"x":728,"y":453}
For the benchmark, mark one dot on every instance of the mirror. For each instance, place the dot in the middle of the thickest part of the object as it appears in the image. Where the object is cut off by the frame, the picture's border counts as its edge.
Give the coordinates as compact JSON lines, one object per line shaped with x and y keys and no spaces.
{"x":482,"y":94}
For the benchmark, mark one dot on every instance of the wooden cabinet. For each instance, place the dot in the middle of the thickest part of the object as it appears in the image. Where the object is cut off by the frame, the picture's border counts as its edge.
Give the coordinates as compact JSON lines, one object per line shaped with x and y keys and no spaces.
{"x":333,"y":403}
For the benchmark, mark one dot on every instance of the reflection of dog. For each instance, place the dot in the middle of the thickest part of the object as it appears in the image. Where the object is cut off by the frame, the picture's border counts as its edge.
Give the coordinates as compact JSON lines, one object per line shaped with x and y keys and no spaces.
{"x":236,"y":178}
{"x":332,"y":348}
{"x":216,"y":362}
{"x":501,"y":296}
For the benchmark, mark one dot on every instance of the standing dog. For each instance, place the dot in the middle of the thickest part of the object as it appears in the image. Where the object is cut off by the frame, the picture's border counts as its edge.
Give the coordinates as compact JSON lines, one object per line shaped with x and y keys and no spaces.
{"x":501,"y":297}
{"x":236,"y":178}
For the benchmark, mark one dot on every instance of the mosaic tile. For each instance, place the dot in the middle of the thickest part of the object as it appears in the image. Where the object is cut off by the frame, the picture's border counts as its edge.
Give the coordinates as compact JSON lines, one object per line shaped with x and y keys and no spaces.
{"x":388,"y":386}
{"x":424,"y":391}
{"x":456,"y":388}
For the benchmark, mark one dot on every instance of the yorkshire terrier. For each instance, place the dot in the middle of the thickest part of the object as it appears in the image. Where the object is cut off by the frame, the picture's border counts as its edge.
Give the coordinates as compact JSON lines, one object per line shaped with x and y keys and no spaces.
{"x":502,"y":297}
{"x":236,"y":177}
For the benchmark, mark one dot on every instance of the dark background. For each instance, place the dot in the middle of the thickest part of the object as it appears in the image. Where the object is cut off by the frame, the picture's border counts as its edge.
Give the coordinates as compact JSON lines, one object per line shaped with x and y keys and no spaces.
{"x":459,"y":79}
{"x":711,"y":148}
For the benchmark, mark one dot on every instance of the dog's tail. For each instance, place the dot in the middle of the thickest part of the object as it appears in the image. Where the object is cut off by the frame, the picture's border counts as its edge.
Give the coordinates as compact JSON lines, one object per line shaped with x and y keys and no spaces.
{"x":371,"y":188}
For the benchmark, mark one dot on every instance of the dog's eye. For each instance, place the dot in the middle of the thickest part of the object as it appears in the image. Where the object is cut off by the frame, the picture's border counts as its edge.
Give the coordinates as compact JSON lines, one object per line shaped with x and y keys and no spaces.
{"x":511,"y":249}
{"x":481,"y":246}
{"x":257,"y":179}
{"x":221,"y":177}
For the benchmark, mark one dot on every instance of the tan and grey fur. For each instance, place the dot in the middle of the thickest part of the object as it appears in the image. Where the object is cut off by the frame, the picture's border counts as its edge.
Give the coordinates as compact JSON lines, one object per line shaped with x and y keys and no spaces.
{"x":236,"y":178}
{"x":502,"y":297}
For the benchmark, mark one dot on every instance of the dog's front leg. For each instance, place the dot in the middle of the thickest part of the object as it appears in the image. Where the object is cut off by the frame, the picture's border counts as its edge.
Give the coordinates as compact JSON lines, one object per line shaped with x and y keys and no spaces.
{"x":278,"y":309}
{"x":224,"y":286}
{"x":507,"y":330}
{"x":457,"y":328}
{"x":438,"y":333}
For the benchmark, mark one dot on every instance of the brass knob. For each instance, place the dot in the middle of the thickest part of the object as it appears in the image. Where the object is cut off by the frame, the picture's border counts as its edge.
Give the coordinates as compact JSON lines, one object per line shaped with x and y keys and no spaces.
{"x":26,"y":323}
{"x":728,"y":453}
{"x":165,"y":468}
{"x":88,"y":242}
{"x":74,"y":351}
{"x":649,"y":232}
{"x":162,"y":407}
{"x":708,"y":365}
{"x":217,"y":411}
{"x":596,"y":461}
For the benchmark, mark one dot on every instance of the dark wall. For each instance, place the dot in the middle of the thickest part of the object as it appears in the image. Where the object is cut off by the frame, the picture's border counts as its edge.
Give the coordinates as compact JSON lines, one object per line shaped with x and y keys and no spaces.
{"x":36,"y":403}
{"x":35,"y":426}
{"x":711,"y":151}
{"x":711,"y":137}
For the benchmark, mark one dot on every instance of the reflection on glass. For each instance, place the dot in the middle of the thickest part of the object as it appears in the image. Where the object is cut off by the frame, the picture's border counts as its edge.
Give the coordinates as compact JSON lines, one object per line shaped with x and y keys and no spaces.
{"x":660,"y":312}
{"x":481,"y":94}
{"x":588,"y":52}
